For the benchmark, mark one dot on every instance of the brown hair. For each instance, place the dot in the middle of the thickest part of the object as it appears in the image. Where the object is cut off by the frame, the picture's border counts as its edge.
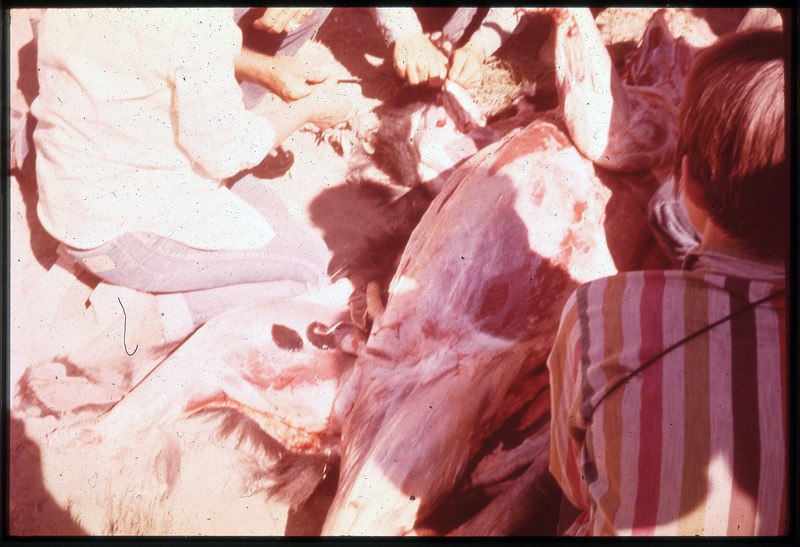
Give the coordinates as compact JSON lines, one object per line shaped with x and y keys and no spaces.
{"x":732,"y":128}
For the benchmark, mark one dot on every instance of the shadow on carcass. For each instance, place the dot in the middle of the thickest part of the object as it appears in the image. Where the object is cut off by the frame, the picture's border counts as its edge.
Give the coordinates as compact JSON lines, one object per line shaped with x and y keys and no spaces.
{"x":472,"y":312}
{"x":222,"y":436}
{"x":239,"y":417}
{"x":33,"y":510}
{"x":422,"y":136}
{"x":366,"y":226}
{"x":476,"y":300}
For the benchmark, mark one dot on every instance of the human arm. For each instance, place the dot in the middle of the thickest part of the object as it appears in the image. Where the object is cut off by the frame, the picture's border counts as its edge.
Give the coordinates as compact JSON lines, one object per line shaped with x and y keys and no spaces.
{"x":465,"y":65}
{"x":466,"y":61}
{"x":419,"y":62}
{"x":497,"y":27}
{"x":289,"y":78}
{"x":279,"y":20}
{"x":213,"y":128}
{"x":271,"y":36}
{"x":415,"y":58}
{"x":328,"y":105}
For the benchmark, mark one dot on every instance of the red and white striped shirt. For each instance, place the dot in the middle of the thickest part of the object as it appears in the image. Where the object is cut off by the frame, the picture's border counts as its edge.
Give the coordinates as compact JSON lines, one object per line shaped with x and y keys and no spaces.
{"x":696,"y":442}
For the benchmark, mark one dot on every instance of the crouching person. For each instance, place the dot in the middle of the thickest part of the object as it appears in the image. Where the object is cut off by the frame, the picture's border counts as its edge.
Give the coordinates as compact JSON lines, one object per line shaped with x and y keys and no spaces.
{"x":669,"y":388}
{"x":140,"y":122}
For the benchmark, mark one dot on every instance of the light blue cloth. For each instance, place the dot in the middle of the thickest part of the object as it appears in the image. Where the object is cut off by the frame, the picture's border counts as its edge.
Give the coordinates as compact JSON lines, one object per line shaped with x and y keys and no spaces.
{"x":193,"y":285}
{"x":670,"y":222}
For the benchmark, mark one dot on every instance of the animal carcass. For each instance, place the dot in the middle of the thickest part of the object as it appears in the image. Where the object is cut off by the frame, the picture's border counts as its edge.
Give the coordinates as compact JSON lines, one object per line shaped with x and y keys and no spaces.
{"x":474,"y":305}
{"x":206,"y":429}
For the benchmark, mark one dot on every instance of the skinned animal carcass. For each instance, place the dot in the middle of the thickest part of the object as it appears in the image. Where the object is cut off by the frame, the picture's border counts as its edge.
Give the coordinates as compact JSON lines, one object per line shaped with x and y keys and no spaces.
{"x":474,"y":305}
{"x":473,"y":309}
{"x":422,"y":138}
{"x":425,"y":133}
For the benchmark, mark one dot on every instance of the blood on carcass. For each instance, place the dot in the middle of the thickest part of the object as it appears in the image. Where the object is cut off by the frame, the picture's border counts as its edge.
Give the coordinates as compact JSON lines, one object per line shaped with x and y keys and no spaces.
{"x":475,"y":303}
{"x":489,"y":270}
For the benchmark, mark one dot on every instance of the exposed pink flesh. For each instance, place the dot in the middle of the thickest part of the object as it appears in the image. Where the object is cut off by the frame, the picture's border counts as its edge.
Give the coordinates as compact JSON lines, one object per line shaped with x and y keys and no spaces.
{"x":461,"y":107}
{"x":620,"y":128}
{"x":474,"y":305}
{"x":476,"y":299}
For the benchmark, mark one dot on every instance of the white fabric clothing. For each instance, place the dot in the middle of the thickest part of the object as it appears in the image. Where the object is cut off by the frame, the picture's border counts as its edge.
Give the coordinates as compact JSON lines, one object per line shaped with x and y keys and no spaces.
{"x":498,"y":25}
{"x":397,"y":23}
{"x":22,"y":32}
{"x":140,"y":117}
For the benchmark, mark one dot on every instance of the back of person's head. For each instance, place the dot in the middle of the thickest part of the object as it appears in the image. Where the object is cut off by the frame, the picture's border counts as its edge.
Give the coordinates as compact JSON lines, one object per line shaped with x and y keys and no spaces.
{"x":732,"y":128}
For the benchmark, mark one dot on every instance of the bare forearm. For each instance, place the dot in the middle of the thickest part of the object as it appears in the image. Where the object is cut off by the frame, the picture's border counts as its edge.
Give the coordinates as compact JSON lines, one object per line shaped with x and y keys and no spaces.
{"x":288,"y":118}
{"x":249,"y":66}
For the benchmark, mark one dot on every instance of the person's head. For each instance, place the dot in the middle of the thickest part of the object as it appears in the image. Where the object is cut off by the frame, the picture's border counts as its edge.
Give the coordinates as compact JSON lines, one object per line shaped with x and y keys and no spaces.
{"x":732,"y":140}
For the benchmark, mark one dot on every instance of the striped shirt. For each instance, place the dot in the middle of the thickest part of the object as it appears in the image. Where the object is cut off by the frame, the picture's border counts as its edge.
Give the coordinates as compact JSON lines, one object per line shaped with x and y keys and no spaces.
{"x":696,"y":442}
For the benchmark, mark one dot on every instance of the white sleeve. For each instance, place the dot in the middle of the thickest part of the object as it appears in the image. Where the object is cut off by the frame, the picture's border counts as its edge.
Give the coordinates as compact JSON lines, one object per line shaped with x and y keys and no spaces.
{"x":213,"y":127}
{"x":498,"y":25}
{"x":397,"y":22}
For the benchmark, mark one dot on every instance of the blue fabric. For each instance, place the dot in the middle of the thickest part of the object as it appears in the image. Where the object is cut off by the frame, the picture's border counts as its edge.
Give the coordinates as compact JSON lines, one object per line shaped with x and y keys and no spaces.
{"x":670,"y":222}
{"x":211,"y":282}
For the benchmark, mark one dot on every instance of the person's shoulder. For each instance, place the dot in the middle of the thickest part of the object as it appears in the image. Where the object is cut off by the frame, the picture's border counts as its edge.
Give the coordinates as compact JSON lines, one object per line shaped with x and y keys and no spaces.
{"x":640,"y":276}
{"x":628,"y":284}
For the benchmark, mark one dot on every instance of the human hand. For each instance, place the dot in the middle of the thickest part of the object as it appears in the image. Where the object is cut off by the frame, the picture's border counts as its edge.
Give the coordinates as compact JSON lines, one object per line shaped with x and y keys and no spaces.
{"x":278,"y":20}
{"x":465,"y":65}
{"x":331,"y":104}
{"x":289,"y":78}
{"x":418,"y":61}
{"x":292,"y":79}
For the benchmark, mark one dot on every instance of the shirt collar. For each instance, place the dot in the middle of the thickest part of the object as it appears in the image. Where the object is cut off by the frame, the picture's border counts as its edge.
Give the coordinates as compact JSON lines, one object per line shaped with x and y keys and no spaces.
{"x":711,"y":259}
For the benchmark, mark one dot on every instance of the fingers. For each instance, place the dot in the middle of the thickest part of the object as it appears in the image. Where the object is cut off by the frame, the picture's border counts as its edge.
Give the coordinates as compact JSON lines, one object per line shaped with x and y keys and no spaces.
{"x":300,"y":16}
{"x":466,"y":66}
{"x":419,"y":62}
{"x":436,"y":73}
{"x":289,"y":78}
{"x":301,"y":84}
{"x":279,"y":20}
{"x":459,"y":70}
{"x":408,"y":72}
{"x":293,"y":90}
{"x":272,"y":20}
{"x":403,"y":61}
{"x":316,"y":76}
{"x":559,"y":14}
{"x":312,"y":73}
{"x":425,"y":72}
